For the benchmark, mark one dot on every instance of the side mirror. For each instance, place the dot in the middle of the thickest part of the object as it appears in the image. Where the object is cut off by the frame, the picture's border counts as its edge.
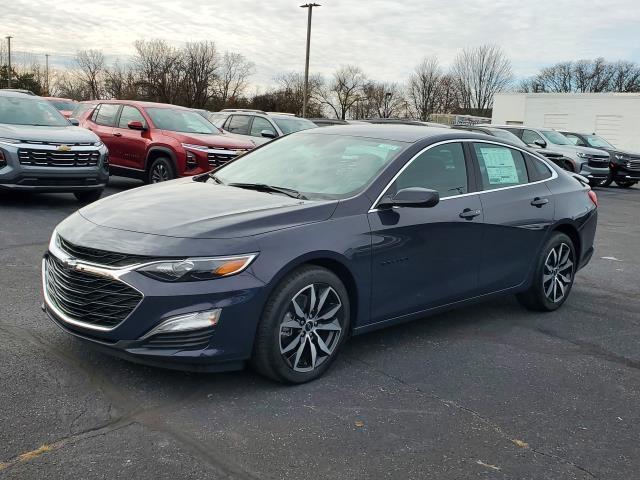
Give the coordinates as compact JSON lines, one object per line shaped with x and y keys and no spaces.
{"x":540,"y":143}
{"x":268,"y":134}
{"x":411,"y":197}
{"x":136,"y":125}
{"x":74,"y":121}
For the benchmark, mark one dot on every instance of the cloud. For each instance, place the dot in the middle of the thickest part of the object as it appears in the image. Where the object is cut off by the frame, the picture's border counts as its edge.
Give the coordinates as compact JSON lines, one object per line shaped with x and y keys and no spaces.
{"x":386,"y":38}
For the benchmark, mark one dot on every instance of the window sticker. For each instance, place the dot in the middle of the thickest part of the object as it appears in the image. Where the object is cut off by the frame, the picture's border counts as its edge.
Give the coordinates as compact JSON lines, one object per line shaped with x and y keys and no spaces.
{"x":501,"y":169}
{"x":386,"y":146}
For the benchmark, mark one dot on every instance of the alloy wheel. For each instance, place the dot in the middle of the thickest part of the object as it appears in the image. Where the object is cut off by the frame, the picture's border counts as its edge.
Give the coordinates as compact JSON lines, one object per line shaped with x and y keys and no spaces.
{"x":160,"y":173}
{"x":558,"y":273}
{"x":311,"y":328}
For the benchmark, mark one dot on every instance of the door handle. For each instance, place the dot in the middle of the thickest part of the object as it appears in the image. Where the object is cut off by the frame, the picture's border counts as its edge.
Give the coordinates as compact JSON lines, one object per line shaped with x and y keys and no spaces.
{"x":117,"y":134}
{"x":469,"y":214}
{"x":539,"y":202}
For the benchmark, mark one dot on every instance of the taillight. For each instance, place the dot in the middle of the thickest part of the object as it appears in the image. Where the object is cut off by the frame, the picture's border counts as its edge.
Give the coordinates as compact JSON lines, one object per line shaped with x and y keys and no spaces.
{"x":593,"y":197}
{"x":3,"y":161}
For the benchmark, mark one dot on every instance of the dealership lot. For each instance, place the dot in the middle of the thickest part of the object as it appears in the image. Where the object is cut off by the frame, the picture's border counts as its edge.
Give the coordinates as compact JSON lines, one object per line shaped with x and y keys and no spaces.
{"x":491,"y":391}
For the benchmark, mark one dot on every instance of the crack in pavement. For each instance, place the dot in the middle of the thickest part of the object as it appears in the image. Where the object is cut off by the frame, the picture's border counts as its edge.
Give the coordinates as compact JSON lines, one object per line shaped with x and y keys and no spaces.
{"x":450,"y":403}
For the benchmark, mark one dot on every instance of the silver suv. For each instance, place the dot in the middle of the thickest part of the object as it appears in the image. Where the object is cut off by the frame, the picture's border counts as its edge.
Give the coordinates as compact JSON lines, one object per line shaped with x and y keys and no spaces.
{"x":588,"y":162}
{"x":258,"y":126}
{"x":41,"y":151}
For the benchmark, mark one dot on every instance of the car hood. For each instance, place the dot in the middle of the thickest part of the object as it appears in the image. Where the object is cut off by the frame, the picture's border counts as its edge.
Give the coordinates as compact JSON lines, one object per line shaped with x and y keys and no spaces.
{"x":186,"y":208}
{"x":216,"y":141}
{"x":66,"y":134}
{"x":573,"y":149}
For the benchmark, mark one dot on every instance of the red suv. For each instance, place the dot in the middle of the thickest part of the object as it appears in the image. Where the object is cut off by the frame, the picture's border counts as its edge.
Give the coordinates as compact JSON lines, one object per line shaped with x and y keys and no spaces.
{"x":158,"y":142}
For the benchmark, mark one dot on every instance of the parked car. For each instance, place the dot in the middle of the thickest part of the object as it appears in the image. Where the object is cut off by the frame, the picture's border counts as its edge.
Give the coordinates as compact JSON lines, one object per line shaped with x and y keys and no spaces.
{"x":83,"y":110}
{"x":17,"y":90}
{"x":276,"y":258}
{"x":258,"y":126}
{"x":552,"y":156}
{"x":40,"y":151}
{"x":403,"y":121}
{"x":157,"y":142}
{"x":588,"y":162}
{"x":328,"y":122}
{"x":624,"y":166}
{"x":65,"y":106}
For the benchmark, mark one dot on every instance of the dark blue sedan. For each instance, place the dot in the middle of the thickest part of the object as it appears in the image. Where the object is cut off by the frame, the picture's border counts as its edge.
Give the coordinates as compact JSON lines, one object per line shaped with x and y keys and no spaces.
{"x":279,"y":256}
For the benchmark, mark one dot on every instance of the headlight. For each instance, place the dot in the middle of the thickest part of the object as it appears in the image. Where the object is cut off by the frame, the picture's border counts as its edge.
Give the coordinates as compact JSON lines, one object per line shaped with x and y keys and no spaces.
{"x":620,"y":156}
{"x":8,"y":140}
{"x":98,"y":144}
{"x":195,"y":269}
{"x":582,"y":155}
{"x":201,"y":148}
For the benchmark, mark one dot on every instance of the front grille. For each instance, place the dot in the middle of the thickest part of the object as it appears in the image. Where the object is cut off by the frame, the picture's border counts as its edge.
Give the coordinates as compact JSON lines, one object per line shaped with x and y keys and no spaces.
{"x":101,"y":257}
{"x":53,"y":158}
{"x":88,"y":298}
{"x":70,"y":144}
{"x":193,"y":340}
{"x":633,"y":164}
{"x":598,"y":161}
{"x":218,"y":159}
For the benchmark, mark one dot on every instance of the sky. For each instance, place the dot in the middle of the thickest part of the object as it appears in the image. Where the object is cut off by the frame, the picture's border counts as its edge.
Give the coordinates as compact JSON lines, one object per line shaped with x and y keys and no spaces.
{"x":385,"y":38}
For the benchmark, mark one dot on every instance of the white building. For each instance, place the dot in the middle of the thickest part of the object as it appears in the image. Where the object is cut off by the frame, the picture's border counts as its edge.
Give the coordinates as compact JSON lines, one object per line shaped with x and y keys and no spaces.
{"x":614,"y":116}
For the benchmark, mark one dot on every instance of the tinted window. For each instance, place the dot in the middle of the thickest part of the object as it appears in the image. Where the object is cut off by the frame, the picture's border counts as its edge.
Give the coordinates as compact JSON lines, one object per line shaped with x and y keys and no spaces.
{"x":440,"y":168}
{"x":62,"y":105}
{"x":530,"y":137}
{"x":105,"y":114}
{"x":555,"y":137}
{"x":180,"y":120}
{"x":598,"y":142}
{"x":260,"y":124}
{"x":574,"y":139}
{"x":505,"y":135}
{"x":130,"y":114}
{"x":500,"y":166}
{"x":538,"y":170}
{"x":293,"y":124}
{"x":239,"y":124}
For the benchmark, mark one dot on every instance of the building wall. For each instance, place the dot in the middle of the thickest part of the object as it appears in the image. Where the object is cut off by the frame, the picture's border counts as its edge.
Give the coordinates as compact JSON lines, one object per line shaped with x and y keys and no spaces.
{"x":614,"y":116}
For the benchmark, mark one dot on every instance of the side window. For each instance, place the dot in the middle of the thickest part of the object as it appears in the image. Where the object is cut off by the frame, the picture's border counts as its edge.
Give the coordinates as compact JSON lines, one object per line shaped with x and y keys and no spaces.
{"x":260,"y":124}
{"x":537,"y":169}
{"x":239,"y":124}
{"x":575,"y":139}
{"x":500,"y":166}
{"x":516,"y":131}
{"x":440,"y":168}
{"x":130,"y":114}
{"x":106,"y":114}
{"x":530,"y":137}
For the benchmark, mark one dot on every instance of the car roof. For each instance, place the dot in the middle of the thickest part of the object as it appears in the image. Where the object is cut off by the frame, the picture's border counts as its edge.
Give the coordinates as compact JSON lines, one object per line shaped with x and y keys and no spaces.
{"x":61,"y":98}
{"x":12,"y":93}
{"x":7,"y":92}
{"x":398,"y":133}
{"x":141,"y":104}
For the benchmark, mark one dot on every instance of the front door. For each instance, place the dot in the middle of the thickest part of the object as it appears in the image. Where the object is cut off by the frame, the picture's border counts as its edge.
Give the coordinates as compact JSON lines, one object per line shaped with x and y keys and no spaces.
{"x":426,"y":257}
{"x":130,"y":145}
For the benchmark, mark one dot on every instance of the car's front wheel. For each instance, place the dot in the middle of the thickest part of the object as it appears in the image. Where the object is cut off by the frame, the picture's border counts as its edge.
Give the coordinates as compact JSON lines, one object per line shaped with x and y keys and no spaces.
{"x":88,"y":196}
{"x":625,"y":183}
{"x":304,"y":324}
{"x":553,"y":275}
{"x":161,"y":170}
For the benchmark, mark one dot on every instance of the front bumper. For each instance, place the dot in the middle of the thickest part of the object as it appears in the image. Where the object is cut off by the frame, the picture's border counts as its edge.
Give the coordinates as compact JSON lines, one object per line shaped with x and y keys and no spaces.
{"x":594,"y":173}
{"x":622,"y":172}
{"x":223,"y":347}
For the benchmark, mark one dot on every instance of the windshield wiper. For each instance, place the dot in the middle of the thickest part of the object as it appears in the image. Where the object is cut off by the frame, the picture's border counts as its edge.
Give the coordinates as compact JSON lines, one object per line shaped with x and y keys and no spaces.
{"x":215,"y":178}
{"x":263,"y":187}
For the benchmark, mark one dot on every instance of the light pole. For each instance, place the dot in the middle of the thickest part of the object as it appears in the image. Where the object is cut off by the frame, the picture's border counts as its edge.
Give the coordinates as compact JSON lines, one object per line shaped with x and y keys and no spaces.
{"x":305,"y":97}
{"x":387,"y":99}
{"x":46,"y":82}
{"x":9,"y":37}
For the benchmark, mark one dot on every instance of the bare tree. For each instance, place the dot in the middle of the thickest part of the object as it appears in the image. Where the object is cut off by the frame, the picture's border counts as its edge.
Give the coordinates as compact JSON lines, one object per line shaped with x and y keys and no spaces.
{"x":592,"y":76}
{"x":481,"y":72}
{"x":90,"y":69}
{"x":290,"y":93}
{"x":158,"y":66}
{"x":233,"y":77}
{"x":344,"y":90}
{"x":423,"y":88}
{"x":201,"y":63}
{"x":625,"y":77}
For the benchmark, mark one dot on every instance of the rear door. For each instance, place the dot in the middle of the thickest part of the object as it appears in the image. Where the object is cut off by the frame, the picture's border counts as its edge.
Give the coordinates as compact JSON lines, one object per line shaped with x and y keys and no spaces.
{"x":102,"y":122}
{"x":239,"y":124}
{"x":130,"y":145}
{"x":518,"y":211}
{"x":426,"y":257}
{"x":260,"y":125}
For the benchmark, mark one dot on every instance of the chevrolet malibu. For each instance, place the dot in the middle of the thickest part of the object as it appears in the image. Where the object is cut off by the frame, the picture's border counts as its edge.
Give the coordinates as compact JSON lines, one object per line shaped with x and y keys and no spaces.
{"x":276,"y":258}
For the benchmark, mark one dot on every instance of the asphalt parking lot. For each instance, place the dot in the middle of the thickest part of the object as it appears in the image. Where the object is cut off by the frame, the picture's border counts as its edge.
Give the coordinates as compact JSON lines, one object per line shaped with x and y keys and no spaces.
{"x":490,"y":391}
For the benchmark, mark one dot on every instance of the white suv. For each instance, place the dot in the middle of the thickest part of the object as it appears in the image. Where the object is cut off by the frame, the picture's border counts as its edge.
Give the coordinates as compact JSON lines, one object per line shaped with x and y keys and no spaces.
{"x":258,"y":126}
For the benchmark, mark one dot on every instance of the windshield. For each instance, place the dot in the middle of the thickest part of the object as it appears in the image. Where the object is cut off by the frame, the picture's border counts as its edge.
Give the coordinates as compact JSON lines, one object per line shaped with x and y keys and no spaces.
{"x":30,"y":111}
{"x":505,"y":135}
{"x":555,"y":137}
{"x":293,"y":124}
{"x":317,"y":166}
{"x":62,"y":105}
{"x":598,"y":142}
{"x":177,"y":120}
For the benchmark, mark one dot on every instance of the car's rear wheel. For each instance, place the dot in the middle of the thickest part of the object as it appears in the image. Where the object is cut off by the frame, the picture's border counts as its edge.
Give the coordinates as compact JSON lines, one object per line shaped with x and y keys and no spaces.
{"x":606,"y":182}
{"x":88,"y":196}
{"x":161,"y":170}
{"x":303,"y":326}
{"x":553,"y":275}
{"x":625,"y":183}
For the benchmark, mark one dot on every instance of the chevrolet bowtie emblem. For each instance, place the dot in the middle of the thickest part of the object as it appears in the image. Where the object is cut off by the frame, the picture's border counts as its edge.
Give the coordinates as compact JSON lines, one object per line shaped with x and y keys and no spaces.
{"x":63,"y":148}
{"x":70,"y":263}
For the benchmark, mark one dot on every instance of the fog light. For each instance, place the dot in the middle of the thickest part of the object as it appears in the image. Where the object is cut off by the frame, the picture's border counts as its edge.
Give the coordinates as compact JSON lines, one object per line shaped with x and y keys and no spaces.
{"x":186,"y":322}
{"x":192,"y":161}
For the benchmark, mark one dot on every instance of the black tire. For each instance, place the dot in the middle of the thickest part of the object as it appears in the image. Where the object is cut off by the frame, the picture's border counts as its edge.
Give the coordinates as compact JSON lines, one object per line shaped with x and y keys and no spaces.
{"x":606,"y":182}
{"x":88,"y":196}
{"x":161,"y":170}
{"x":273,"y":335}
{"x":599,"y":183}
{"x":625,"y":183}
{"x":545,"y":278}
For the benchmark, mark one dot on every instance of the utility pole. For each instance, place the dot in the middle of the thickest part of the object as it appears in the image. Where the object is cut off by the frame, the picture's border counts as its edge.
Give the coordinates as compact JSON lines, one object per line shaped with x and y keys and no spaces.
{"x":46,"y":74}
{"x":9,"y":37}
{"x":305,"y":98}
